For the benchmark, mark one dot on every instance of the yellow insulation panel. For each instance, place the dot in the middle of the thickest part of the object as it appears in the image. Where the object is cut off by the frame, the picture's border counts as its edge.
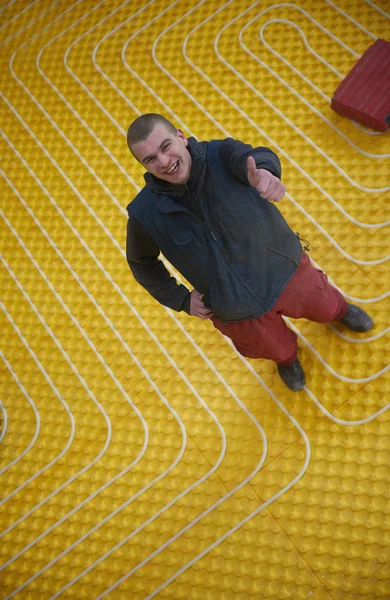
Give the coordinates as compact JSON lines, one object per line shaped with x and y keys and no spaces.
{"x":140,"y":455}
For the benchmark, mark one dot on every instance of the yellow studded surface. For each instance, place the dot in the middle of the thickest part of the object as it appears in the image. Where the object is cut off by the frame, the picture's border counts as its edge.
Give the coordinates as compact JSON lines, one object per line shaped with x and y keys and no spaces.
{"x":140,"y":455}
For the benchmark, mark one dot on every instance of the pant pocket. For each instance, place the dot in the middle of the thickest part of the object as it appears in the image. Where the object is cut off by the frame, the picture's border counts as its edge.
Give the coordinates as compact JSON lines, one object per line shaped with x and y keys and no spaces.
{"x":322,"y":283}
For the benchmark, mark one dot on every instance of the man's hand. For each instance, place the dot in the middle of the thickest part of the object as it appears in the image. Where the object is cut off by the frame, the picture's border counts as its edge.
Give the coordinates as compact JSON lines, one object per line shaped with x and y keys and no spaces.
{"x":197,"y":308}
{"x":268,"y":186}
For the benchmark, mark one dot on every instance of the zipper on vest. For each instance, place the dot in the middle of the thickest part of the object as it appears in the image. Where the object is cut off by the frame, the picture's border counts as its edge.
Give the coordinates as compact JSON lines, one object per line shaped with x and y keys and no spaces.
{"x":283,"y":256}
{"x":224,"y":322}
{"x":223,"y":226}
{"x":212,"y":232}
{"x":204,"y":222}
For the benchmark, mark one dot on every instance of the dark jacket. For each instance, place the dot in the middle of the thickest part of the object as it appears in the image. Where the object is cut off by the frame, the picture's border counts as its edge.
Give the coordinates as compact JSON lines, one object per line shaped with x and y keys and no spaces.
{"x":232,"y":245}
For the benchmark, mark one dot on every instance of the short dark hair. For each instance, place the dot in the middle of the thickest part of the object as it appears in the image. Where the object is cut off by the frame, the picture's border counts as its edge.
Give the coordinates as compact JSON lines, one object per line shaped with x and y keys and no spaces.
{"x":140,"y":129}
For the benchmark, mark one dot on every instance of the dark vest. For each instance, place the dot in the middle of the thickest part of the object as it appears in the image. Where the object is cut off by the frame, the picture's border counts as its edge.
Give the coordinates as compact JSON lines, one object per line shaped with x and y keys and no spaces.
{"x":240,"y":255}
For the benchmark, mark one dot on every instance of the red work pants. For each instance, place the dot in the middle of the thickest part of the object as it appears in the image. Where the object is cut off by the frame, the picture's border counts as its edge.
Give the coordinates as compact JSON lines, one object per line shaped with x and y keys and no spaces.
{"x":307,"y":294}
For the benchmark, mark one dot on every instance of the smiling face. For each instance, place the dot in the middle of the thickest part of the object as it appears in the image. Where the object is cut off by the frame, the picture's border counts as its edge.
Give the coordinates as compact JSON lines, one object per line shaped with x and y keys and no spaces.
{"x":165,"y":155}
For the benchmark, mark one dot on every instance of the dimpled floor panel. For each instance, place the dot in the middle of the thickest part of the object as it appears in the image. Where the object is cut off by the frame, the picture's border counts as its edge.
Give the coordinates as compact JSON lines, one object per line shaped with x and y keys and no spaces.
{"x":140,"y":455}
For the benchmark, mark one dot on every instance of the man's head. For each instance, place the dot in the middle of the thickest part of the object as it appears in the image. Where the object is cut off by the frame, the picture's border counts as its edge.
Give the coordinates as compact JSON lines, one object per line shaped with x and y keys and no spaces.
{"x":160,"y":148}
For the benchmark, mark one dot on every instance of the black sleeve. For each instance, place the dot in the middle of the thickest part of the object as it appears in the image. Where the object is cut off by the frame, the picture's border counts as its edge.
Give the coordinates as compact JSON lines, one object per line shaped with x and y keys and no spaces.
{"x":142,"y":256}
{"x":234,"y":155}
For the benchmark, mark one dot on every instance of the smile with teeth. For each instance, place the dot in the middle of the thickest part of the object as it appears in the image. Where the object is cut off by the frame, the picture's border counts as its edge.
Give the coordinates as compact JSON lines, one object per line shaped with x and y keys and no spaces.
{"x":173,"y":168}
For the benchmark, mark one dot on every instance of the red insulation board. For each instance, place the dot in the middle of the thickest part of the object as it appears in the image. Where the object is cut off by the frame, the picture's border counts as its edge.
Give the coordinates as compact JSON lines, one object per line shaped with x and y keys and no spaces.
{"x":364,"y":95}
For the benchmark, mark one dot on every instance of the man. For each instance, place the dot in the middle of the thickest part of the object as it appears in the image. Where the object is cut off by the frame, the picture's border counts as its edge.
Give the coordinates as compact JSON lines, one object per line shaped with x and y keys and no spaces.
{"x":208,"y":207}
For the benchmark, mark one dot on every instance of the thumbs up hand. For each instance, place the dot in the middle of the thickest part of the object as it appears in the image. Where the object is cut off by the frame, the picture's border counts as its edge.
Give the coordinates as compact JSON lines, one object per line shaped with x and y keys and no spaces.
{"x":268,"y":186}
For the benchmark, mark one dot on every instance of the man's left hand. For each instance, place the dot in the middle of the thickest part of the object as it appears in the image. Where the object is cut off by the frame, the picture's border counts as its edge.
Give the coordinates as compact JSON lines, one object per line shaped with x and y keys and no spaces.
{"x":268,"y":186}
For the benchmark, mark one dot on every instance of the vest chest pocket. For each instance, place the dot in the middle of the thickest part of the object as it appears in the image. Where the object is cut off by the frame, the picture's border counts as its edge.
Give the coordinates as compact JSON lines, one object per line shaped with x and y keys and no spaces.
{"x":189,"y":244}
{"x":238,"y":222}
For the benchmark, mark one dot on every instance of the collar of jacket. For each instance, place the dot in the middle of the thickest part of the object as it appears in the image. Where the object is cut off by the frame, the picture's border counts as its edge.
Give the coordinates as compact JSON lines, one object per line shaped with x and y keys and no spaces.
{"x":195,"y":181}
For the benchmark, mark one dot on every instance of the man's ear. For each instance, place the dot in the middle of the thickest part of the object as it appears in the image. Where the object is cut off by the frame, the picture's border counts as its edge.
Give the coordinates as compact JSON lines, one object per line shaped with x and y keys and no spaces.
{"x":183,"y":138}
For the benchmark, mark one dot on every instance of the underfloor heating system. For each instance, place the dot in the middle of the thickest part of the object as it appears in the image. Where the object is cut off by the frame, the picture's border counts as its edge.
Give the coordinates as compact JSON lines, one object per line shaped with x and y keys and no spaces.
{"x":140,"y":455}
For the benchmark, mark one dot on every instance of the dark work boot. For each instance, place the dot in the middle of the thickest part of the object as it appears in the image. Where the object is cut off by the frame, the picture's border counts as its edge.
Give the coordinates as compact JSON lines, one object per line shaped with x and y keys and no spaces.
{"x":293,"y":376}
{"x":357,"y":319}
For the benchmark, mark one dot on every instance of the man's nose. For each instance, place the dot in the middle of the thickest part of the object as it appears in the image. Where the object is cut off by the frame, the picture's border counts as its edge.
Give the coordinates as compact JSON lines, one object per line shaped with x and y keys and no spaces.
{"x":163,"y":161}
